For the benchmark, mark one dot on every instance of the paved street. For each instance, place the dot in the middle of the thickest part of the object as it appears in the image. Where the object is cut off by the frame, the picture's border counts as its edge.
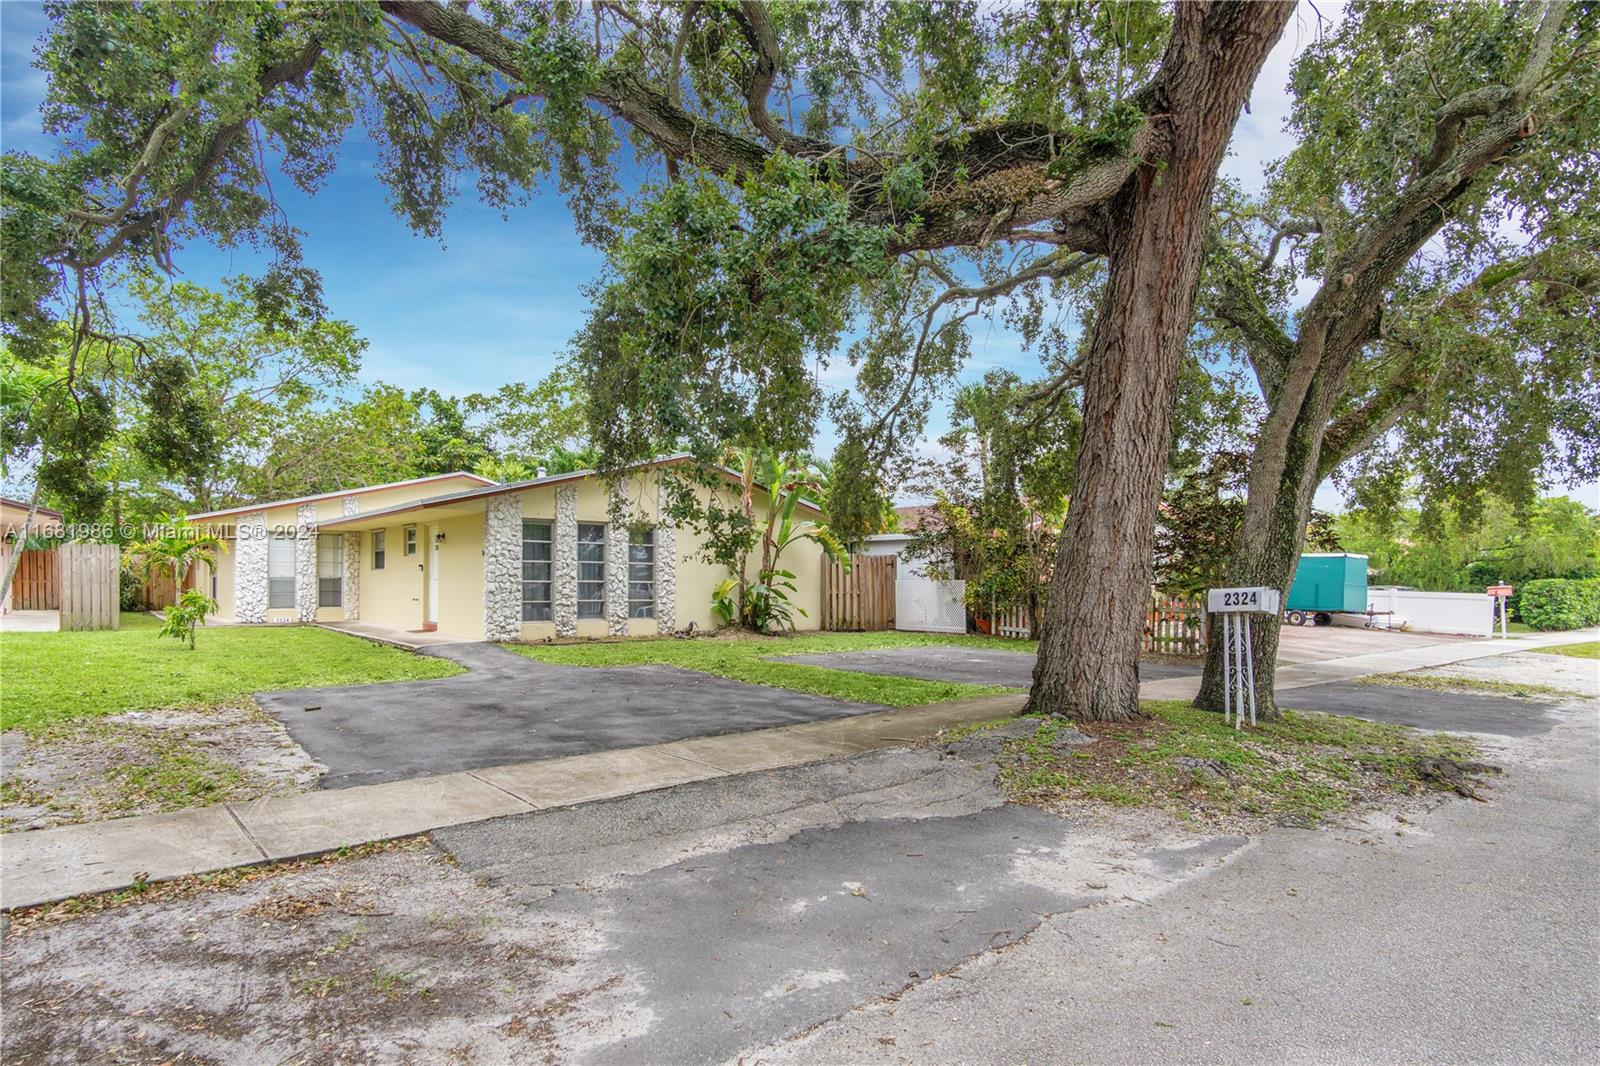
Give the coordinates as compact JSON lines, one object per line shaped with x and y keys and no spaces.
{"x":1466,"y":935}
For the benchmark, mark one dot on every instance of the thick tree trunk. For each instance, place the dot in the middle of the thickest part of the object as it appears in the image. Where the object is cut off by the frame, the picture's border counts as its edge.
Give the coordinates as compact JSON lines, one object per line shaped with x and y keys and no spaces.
{"x":1089,"y":649}
{"x":1273,"y":532}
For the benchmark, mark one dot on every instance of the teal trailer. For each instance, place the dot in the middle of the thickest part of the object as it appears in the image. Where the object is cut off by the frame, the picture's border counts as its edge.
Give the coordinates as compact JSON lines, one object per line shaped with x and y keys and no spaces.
{"x":1325,"y":583}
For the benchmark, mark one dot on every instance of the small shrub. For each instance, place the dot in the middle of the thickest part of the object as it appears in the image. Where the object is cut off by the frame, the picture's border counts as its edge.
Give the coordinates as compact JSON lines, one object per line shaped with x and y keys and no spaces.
{"x":1555,"y":603}
{"x":130,"y":591}
{"x":187,"y":615}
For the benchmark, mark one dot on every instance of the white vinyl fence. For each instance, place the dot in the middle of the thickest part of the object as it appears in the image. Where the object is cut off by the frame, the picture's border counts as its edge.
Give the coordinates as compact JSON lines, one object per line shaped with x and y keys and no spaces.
{"x":1471,"y":613}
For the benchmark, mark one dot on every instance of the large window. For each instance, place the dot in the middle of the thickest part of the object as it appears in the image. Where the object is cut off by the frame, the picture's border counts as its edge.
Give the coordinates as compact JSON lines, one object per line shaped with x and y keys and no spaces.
{"x":280,"y":571}
{"x":378,"y":552}
{"x":330,"y":570}
{"x":591,"y":570}
{"x":642,"y":573}
{"x":536,"y":605}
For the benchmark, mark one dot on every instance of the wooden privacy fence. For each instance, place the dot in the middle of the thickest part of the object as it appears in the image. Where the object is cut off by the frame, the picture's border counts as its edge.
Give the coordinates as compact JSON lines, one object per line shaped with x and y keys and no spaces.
{"x":1172,"y":625}
{"x":161,"y":590}
{"x":89,"y":585}
{"x":37,"y":583}
{"x":1175,"y":626}
{"x":861,"y":599}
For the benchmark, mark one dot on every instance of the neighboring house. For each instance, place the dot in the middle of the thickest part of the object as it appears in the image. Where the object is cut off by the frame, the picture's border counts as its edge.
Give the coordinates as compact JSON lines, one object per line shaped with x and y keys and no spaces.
{"x":912,"y":520}
{"x":13,"y":513}
{"x":480,"y":560}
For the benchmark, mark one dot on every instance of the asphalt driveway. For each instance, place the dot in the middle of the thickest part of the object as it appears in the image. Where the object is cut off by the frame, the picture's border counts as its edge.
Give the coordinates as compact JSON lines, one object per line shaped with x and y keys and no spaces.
{"x":954,"y":662}
{"x":508,"y":708}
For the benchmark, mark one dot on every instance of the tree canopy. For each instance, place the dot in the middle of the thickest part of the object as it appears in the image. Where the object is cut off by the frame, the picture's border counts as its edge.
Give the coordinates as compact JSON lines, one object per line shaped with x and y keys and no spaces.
{"x":1415,"y":290}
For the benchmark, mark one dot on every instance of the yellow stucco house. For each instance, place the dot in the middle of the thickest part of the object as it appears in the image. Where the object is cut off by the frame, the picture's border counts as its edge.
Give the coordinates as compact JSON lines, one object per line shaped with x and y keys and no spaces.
{"x":471,"y":558}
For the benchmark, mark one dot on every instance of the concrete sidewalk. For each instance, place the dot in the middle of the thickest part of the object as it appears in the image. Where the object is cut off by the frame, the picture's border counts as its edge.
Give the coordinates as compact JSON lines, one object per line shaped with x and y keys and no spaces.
{"x":1397,"y":661}
{"x":53,"y":864}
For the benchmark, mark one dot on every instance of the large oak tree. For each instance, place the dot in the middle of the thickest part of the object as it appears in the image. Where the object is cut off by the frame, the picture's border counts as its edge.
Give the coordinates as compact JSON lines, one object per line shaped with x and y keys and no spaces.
{"x":1438,"y":209}
{"x":796,"y":169}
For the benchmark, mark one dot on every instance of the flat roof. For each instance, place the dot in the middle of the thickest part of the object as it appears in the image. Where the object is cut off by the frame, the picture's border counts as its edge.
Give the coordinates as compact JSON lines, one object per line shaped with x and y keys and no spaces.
{"x":24,"y":505}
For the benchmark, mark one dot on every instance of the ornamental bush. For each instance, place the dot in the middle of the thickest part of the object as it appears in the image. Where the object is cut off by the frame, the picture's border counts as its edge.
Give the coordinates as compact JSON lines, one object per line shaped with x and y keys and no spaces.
{"x":1557,"y":603}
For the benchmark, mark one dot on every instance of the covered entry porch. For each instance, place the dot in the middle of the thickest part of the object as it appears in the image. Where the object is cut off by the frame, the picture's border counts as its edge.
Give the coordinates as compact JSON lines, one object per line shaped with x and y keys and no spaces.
{"x":418,"y":572}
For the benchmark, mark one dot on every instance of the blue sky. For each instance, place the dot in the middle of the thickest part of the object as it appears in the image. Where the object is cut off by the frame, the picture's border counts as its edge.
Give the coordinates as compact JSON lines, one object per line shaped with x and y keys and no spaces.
{"x":498,"y":297}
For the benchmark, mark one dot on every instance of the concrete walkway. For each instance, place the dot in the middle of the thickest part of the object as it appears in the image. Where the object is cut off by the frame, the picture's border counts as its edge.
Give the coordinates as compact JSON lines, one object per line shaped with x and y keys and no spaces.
{"x":52,"y":864}
{"x":30,"y":622}
{"x":410,"y":639}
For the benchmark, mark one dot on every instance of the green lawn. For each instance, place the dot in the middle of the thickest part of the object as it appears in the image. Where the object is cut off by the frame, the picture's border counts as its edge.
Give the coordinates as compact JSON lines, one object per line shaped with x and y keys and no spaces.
{"x":1590,"y":650}
{"x":1445,"y":683}
{"x":748,"y":658}
{"x":51,"y":677}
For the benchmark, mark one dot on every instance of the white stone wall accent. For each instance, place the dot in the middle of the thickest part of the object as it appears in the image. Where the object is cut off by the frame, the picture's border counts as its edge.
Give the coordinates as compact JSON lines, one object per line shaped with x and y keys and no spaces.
{"x":617,"y":565}
{"x":564,"y":569}
{"x":352,"y":576}
{"x":250,"y":568}
{"x":350,"y":505}
{"x":666,"y":576}
{"x":305,"y":561}
{"x":502,"y":567}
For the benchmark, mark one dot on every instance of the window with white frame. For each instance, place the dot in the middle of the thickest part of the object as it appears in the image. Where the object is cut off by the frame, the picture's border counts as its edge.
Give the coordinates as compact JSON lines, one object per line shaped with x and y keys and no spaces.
{"x":411,"y":540}
{"x":378,"y":551}
{"x":536,"y":605}
{"x":280,"y":571}
{"x":330,"y":570}
{"x":642,"y":573}
{"x":591,"y":570}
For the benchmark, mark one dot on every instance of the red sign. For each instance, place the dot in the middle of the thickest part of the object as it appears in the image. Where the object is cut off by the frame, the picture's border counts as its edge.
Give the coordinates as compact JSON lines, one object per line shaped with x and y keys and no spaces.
{"x":1499,"y":590}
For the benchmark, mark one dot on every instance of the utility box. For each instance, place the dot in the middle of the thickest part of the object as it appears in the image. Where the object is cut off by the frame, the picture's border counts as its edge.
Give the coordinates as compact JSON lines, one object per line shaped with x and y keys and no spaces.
{"x":1329,"y":581}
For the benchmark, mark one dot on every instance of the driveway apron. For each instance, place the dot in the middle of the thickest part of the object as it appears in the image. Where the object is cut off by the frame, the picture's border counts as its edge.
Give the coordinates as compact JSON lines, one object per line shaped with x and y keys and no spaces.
{"x":508,"y":708}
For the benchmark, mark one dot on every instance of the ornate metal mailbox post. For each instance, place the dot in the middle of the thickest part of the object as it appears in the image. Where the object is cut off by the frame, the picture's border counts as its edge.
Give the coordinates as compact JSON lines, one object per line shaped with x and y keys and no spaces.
{"x":1238,"y":659}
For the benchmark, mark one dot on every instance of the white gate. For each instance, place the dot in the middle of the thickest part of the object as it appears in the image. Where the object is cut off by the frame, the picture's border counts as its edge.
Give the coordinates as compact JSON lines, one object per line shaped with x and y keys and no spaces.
{"x":927,"y":606}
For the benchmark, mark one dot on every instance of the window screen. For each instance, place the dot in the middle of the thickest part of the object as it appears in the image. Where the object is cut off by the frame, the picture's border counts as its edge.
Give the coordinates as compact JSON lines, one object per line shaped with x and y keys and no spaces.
{"x":642,"y":573}
{"x":591,"y":570}
{"x":330,"y":570}
{"x":377,"y":549}
{"x":536,"y":605}
{"x":280,"y":571}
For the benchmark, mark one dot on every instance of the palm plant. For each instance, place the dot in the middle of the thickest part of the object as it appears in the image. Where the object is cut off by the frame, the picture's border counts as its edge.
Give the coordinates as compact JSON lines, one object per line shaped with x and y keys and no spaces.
{"x":175,"y":549}
{"x":764,"y":604}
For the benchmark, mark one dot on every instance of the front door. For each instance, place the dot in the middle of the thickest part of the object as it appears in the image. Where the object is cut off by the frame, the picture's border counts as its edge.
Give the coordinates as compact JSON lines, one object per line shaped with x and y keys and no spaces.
{"x":433,"y":576}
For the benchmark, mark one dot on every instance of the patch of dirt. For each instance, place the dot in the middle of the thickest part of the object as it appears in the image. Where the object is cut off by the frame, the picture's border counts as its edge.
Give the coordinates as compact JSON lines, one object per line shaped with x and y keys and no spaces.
{"x":397,"y":956}
{"x":1579,"y":677}
{"x":1094,"y":767}
{"x":141,"y":762}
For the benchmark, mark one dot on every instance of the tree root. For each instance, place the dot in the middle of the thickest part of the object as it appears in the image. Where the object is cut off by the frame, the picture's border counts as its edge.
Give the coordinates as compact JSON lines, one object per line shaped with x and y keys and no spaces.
{"x":1453,"y":774}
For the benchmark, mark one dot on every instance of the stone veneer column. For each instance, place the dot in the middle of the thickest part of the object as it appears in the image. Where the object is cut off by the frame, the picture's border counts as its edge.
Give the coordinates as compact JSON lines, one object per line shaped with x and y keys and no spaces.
{"x":502,"y":567}
{"x":617,"y":565}
{"x":666,"y":576}
{"x":305,"y":561}
{"x":351,"y":505}
{"x":250,"y":568}
{"x":564,"y":569}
